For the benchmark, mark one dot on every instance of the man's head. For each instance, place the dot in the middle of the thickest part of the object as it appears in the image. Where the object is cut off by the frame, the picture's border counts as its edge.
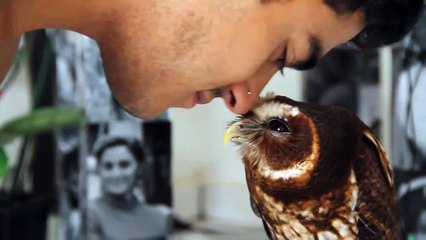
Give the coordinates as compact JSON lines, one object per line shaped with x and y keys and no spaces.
{"x":118,"y":161}
{"x":386,"y":21}
{"x":164,"y":54}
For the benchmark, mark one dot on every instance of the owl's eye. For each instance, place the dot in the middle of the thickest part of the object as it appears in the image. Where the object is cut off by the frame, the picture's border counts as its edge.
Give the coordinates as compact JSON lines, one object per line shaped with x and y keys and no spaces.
{"x":278,"y":125}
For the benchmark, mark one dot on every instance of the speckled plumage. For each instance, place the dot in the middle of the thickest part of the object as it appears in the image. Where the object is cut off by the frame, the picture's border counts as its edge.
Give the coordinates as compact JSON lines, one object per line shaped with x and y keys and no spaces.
{"x":315,"y":172}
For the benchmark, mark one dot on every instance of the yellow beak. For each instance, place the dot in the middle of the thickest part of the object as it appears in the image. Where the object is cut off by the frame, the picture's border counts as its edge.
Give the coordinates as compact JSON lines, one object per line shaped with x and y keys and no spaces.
{"x":232,"y":133}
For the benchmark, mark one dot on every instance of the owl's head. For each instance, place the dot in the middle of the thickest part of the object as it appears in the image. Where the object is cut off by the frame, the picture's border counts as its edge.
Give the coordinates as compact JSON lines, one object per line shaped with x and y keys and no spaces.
{"x":286,"y":145}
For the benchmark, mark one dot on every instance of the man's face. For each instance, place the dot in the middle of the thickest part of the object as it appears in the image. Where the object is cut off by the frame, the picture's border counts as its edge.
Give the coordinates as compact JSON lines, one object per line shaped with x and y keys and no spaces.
{"x":117,"y":170}
{"x":173,"y":54}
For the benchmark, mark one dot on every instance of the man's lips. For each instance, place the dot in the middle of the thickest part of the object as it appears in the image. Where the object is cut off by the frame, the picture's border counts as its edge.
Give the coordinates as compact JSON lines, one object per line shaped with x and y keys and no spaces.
{"x":200,"y":98}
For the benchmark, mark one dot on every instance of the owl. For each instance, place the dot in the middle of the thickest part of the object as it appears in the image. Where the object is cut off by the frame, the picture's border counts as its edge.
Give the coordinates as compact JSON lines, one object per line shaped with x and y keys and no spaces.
{"x":315,"y":172}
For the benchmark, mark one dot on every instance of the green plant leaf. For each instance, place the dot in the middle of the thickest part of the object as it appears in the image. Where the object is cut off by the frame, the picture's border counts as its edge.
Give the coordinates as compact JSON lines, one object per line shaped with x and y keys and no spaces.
{"x":3,"y":163}
{"x":40,"y":120}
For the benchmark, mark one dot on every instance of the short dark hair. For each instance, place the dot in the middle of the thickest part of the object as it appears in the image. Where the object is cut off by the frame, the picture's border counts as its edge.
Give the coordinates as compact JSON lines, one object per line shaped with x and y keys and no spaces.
{"x":134,"y":146}
{"x":387,"y":21}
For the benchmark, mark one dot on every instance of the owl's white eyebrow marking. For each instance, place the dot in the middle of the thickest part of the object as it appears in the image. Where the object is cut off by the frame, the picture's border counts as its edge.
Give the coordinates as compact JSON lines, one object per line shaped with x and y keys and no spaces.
{"x":294,"y":111}
{"x":276,"y":109}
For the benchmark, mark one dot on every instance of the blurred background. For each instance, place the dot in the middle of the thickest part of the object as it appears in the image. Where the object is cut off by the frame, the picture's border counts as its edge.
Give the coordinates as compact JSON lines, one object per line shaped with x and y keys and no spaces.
{"x":55,"y":106}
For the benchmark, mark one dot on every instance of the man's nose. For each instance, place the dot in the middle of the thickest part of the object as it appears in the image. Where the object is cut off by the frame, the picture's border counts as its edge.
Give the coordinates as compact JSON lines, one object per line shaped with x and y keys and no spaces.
{"x":239,"y":98}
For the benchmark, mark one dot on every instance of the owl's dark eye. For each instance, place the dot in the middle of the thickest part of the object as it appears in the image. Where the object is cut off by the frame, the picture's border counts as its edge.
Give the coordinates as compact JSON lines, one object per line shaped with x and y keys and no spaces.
{"x":278,"y":125}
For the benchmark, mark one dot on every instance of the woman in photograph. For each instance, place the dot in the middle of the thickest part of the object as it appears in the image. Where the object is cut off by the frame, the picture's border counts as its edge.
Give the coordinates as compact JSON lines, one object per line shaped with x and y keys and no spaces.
{"x":119,"y":213}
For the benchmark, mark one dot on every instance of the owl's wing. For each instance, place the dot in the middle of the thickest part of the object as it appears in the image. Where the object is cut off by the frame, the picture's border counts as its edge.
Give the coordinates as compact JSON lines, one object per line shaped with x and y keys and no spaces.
{"x":254,"y":207}
{"x":376,"y":204}
{"x":384,"y":162}
{"x":256,"y":211}
{"x":253,"y":204}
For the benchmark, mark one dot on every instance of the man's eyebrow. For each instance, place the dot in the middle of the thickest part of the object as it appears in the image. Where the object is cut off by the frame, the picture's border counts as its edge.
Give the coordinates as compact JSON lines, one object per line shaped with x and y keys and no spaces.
{"x":315,"y":50}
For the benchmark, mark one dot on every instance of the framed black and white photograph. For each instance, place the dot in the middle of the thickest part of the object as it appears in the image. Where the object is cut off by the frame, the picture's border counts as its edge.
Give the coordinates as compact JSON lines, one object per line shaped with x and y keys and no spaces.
{"x":120,"y":171}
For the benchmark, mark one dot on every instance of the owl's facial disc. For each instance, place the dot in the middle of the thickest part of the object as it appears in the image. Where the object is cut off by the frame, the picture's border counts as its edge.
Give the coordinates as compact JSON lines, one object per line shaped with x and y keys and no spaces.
{"x":277,"y":140}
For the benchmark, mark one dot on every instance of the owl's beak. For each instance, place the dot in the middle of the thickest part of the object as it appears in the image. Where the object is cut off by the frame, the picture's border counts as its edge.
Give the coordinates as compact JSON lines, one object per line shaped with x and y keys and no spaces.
{"x":233,"y":134}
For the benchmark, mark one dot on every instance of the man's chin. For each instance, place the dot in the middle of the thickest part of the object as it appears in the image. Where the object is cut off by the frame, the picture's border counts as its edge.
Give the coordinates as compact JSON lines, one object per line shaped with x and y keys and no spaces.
{"x":144,"y":113}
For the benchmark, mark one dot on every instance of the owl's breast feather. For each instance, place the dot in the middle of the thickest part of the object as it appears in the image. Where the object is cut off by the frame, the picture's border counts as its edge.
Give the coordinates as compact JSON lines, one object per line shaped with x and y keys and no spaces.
{"x":331,"y":216}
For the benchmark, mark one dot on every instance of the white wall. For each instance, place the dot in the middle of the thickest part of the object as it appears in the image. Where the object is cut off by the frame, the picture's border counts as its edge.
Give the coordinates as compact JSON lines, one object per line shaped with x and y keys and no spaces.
{"x":15,"y":102}
{"x":209,"y":177}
